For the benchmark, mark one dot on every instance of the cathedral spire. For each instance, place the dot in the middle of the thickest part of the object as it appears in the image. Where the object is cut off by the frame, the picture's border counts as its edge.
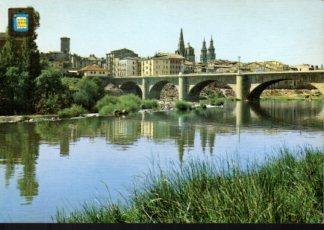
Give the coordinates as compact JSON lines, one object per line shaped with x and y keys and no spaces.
{"x":204,"y":45}
{"x":211,"y":45}
{"x":181,"y":46}
{"x":211,"y":51}
{"x":203,"y":54}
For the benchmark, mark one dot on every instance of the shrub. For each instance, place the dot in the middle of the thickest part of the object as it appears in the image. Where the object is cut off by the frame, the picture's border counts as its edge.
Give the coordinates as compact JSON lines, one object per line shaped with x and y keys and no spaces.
{"x":106,"y":100}
{"x":71,"y":82}
{"x":183,"y":106}
{"x":73,"y":111}
{"x":129,"y":102}
{"x":217,"y":101}
{"x":51,"y":94}
{"x":202,"y":106}
{"x":149,"y":104}
{"x":110,"y":105}
{"x":87,"y":93}
{"x":107,"y":110}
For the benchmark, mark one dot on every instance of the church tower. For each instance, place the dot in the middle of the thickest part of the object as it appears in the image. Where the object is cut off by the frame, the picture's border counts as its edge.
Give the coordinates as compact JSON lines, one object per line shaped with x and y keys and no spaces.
{"x":190,"y":53}
{"x":203,"y":54}
{"x":181,"y":46}
{"x":211,"y":56}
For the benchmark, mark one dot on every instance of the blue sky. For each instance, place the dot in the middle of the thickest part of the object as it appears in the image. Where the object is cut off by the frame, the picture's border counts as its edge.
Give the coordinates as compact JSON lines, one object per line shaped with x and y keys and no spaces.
{"x":291,"y":31}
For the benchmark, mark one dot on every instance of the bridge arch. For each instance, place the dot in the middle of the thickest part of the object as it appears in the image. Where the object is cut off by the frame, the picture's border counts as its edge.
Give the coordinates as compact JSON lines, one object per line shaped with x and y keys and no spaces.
{"x":131,"y":87}
{"x":256,"y":92}
{"x":156,"y":89}
{"x":195,"y":91}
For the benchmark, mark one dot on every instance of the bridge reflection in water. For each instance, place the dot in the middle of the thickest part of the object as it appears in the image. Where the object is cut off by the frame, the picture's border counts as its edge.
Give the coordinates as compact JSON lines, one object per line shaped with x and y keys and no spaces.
{"x":20,"y":143}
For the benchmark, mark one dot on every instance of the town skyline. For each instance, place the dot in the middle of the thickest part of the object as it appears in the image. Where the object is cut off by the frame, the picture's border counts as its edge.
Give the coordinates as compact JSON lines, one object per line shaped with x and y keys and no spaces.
{"x":251,"y":34}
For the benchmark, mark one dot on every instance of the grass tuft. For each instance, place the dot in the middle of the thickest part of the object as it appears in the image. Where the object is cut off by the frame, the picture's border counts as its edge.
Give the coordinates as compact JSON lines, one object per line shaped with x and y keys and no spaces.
{"x":287,"y":189}
{"x":149,"y":104}
{"x":73,"y":111}
{"x":183,"y":106}
{"x":109,"y":105}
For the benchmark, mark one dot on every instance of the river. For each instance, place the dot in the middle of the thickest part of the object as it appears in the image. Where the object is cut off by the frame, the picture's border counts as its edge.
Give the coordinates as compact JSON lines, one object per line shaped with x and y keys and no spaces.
{"x":52,"y":165}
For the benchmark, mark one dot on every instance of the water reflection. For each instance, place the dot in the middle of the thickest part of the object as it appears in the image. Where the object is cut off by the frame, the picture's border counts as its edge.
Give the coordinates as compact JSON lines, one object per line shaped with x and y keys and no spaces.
{"x":19,"y":143}
{"x":19,"y":146}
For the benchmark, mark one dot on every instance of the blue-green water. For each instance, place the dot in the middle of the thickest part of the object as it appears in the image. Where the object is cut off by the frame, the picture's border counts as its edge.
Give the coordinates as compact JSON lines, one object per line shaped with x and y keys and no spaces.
{"x":51,"y":165}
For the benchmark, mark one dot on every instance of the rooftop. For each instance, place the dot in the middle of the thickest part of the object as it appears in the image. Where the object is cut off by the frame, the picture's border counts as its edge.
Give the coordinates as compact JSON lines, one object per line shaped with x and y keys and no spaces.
{"x":167,"y":56}
{"x":92,"y":68}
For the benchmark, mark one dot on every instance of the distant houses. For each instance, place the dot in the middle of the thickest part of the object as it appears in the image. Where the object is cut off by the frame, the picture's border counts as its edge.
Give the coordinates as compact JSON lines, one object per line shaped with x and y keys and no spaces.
{"x":93,"y":71}
{"x":125,"y":62}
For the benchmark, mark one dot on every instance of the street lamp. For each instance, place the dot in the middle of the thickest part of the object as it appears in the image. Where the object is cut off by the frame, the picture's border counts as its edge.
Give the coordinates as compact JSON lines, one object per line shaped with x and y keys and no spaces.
{"x":239,"y":62}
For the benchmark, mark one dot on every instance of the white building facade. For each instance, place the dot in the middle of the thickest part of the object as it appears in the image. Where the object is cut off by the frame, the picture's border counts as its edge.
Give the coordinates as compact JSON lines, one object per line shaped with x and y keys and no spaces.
{"x":127,"y":67}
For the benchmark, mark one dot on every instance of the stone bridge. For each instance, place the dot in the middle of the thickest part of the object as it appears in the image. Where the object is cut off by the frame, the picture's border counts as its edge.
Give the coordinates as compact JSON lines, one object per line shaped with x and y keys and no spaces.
{"x":247,"y":86}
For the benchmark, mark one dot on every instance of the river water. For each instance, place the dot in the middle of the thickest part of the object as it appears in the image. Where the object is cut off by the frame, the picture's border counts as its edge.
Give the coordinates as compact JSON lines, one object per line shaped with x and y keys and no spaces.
{"x":48,"y":166}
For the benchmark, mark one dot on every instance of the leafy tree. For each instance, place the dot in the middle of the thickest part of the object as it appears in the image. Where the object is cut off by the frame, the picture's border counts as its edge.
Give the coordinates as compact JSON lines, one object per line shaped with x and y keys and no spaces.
{"x":87,"y":93}
{"x":51,"y":94}
{"x":19,"y":67}
{"x":15,"y":92}
{"x":8,"y":55}
{"x":8,"y":58}
{"x":30,"y":62}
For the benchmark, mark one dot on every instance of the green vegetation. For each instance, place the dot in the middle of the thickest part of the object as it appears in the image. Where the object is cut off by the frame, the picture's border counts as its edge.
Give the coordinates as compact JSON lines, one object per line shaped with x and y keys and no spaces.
{"x":216,"y":97}
{"x":201,"y":109}
{"x":19,"y":67}
{"x":124,"y":104}
{"x":51,"y":94}
{"x":291,"y":94}
{"x":287,"y":189}
{"x":293,"y":97}
{"x":28,"y":85}
{"x":73,"y":111}
{"x":183,"y":106}
{"x":149,"y":104}
{"x":217,"y":101}
{"x":88,"y":91}
{"x":71,"y":83}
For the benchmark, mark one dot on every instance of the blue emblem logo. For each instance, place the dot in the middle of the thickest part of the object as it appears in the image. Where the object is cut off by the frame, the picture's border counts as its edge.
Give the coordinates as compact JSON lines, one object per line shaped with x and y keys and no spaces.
{"x":20,"y":22}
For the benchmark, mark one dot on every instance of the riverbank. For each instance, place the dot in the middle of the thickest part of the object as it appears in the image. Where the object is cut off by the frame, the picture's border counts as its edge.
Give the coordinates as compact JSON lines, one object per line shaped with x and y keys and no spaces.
{"x":39,"y":118}
{"x":162,"y":106}
{"x":291,"y":94}
{"x":166,"y":105}
{"x":286,"y":189}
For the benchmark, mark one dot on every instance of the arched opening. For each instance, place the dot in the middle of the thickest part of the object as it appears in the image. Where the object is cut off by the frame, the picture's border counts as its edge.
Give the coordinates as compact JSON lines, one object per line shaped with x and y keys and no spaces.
{"x":131,"y":87}
{"x":209,"y":88}
{"x":164,"y":90}
{"x":279,"y":84}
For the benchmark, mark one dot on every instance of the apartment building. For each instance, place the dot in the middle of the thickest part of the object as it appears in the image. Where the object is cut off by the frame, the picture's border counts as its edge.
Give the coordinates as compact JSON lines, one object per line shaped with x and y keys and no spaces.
{"x":162,"y":64}
{"x":128,"y":66}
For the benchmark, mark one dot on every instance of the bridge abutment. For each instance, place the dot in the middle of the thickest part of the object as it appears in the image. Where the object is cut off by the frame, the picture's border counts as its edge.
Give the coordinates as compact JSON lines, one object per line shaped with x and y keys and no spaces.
{"x":319,"y":86}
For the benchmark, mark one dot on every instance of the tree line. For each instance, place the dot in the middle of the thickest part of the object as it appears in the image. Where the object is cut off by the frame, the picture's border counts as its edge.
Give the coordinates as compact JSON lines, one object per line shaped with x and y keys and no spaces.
{"x":29,"y":86}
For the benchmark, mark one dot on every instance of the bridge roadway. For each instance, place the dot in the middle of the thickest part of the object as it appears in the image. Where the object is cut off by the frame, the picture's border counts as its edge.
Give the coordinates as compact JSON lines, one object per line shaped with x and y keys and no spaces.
{"x":246,"y":85}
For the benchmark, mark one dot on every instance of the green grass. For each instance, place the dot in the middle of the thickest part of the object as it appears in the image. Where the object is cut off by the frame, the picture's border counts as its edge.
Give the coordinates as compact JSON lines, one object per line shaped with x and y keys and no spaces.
{"x":149,"y":104}
{"x":73,"y":111}
{"x":109,"y":105}
{"x":183,"y":105}
{"x":216,"y":98}
{"x":217,"y":101}
{"x":286,"y":189}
